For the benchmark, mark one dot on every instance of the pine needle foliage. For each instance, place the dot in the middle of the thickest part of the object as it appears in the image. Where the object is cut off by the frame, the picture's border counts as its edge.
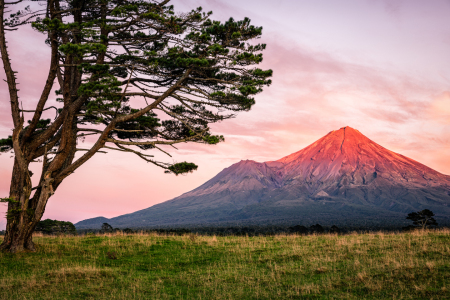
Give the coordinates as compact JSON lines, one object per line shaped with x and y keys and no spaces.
{"x":423,"y":218}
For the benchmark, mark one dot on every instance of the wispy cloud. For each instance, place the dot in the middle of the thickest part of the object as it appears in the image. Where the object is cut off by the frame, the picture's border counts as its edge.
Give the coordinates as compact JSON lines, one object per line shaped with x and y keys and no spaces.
{"x":439,"y":109}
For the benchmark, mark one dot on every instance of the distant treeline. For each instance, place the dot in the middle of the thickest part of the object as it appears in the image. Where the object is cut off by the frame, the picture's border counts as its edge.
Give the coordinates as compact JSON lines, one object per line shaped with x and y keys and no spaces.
{"x":54,"y":227}
{"x":230,"y":231}
{"x":249,"y":230}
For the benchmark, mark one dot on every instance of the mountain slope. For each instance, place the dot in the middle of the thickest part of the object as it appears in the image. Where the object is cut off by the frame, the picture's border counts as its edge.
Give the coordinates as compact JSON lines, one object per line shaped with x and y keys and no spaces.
{"x":343,"y":177}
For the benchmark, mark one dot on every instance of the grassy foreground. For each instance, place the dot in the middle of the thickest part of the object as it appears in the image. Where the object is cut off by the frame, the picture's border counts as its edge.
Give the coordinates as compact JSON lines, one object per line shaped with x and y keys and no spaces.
{"x":357,"y":266}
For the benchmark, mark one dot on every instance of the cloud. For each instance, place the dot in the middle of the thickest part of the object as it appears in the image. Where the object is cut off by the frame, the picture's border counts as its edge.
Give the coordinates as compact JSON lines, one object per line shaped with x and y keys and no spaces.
{"x":393,"y":7}
{"x":439,"y":109}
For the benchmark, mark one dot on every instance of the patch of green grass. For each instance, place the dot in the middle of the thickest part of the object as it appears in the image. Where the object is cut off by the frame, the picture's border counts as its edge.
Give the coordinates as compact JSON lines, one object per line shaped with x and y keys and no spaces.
{"x":148,"y":266}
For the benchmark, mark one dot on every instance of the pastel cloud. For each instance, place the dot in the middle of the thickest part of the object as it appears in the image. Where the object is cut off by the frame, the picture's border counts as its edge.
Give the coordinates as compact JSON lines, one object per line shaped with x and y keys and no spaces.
{"x":440,"y":108}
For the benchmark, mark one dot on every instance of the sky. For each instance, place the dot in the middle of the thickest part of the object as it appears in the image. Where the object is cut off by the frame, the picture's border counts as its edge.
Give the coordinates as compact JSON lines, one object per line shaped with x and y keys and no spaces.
{"x":379,"y":66}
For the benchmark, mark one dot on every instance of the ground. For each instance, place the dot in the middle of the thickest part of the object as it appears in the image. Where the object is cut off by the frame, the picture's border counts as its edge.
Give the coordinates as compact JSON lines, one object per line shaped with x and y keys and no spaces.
{"x":148,"y":266}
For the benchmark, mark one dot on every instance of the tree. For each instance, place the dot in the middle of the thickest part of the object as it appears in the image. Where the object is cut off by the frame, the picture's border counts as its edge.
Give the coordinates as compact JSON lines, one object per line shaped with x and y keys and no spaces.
{"x":335,"y":229}
{"x":106,"y":228}
{"x":299,"y":229}
{"x":132,"y":76}
{"x":54,"y":227}
{"x":316,"y":228}
{"x":128,"y":231}
{"x":423,"y":218}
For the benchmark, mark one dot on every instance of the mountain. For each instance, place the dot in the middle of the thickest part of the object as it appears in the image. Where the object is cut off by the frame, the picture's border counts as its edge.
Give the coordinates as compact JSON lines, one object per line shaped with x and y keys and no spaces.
{"x":343,"y":178}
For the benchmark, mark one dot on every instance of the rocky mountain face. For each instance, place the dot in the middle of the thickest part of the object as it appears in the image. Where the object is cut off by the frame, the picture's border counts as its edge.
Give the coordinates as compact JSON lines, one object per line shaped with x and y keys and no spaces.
{"x":343,"y":178}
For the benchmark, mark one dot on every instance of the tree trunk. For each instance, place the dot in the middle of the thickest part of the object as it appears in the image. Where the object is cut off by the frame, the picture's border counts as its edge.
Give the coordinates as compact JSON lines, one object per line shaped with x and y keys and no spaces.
{"x":18,"y":239}
{"x":24,"y":213}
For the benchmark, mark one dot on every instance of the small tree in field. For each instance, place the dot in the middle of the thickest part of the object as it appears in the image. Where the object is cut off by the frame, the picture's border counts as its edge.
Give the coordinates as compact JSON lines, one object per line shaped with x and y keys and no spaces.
{"x":106,"y":228}
{"x":133,"y":76}
{"x":423,"y":218}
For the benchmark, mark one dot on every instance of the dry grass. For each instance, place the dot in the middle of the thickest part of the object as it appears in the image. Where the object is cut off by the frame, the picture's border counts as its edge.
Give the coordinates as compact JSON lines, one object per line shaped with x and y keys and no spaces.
{"x":141,"y":266}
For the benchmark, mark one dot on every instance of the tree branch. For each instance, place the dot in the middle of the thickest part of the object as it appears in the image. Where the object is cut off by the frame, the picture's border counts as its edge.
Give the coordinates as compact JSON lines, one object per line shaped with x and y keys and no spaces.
{"x":22,"y":110}
{"x":122,"y":149}
{"x":153,"y":143}
{"x":78,"y":149}
{"x":143,"y":156}
{"x":10,"y":77}
{"x":50,"y":80}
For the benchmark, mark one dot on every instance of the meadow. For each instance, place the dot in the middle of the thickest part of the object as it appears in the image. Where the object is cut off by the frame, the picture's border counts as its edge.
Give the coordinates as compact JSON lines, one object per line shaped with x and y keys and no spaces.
{"x":414,"y":265}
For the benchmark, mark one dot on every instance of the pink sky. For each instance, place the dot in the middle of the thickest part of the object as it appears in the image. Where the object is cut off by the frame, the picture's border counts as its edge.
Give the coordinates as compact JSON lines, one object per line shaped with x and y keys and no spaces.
{"x":380,"y":66}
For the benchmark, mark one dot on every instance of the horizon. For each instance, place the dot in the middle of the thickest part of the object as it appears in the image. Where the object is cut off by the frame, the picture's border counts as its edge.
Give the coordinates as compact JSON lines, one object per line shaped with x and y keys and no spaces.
{"x":378,"y":66}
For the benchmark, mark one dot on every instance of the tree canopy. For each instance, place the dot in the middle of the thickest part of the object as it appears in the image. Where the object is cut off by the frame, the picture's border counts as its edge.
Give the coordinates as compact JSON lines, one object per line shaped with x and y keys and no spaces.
{"x":423,"y":218}
{"x":55,"y":227}
{"x":132,"y":76}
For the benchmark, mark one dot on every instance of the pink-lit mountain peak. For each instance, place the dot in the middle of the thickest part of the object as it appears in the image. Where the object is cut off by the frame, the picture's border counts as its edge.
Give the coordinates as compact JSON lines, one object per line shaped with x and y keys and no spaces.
{"x":347,"y":152}
{"x":338,"y":143}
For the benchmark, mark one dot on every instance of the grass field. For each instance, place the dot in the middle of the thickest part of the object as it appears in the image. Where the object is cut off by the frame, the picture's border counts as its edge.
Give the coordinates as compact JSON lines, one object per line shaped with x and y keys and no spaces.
{"x":357,"y":266}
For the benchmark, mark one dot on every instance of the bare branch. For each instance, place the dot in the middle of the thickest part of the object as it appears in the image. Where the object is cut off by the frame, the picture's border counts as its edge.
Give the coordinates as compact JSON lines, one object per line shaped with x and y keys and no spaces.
{"x":123,"y":149}
{"x":124,"y":130}
{"x":167,"y":153}
{"x":153,"y":143}
{"x":43,"y":110}
{"x":88,"y":150}
{"x":144,"y":157}
{"x":10,"y":77}
{"x":89,"y":130}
